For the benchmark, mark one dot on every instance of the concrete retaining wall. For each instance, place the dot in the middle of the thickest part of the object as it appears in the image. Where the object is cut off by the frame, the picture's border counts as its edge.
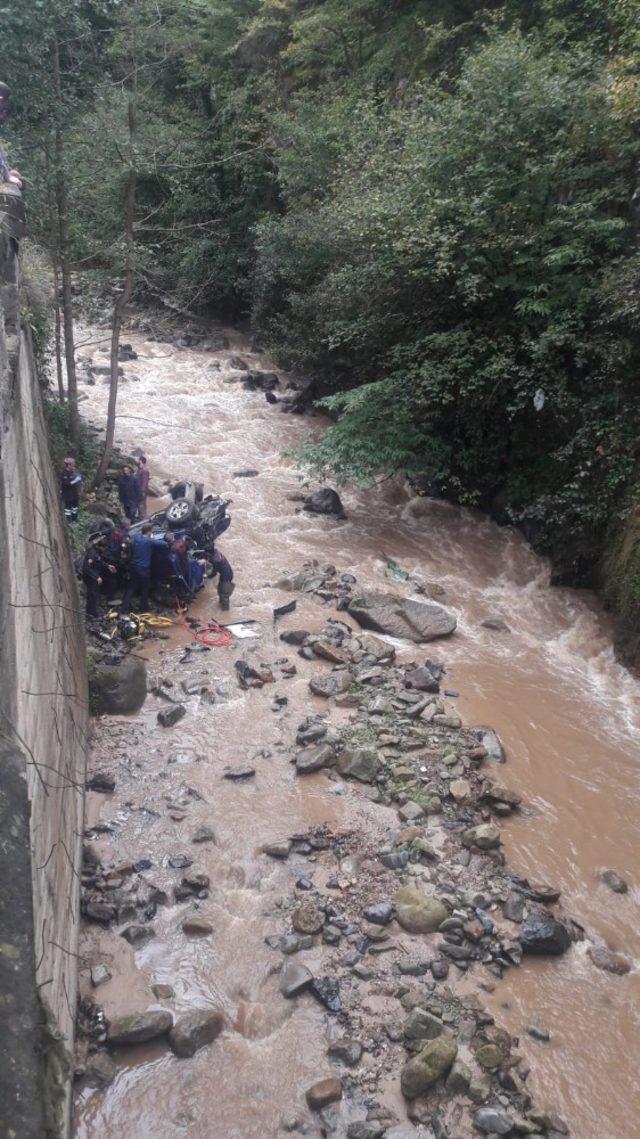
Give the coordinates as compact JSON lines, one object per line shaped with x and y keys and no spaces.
{"x":43,"y":740}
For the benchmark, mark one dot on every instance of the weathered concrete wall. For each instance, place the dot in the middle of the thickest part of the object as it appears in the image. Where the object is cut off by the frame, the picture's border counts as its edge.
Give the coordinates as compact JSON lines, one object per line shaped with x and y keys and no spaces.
{"x":43,"y":730}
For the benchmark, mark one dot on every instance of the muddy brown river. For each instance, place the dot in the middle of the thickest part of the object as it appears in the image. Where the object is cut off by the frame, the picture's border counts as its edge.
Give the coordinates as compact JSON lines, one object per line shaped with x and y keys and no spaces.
{"x":568,"y":714}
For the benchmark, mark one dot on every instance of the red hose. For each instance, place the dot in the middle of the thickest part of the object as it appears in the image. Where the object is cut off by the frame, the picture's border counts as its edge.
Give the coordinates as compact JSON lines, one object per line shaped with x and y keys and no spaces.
{"x":211,"y":634}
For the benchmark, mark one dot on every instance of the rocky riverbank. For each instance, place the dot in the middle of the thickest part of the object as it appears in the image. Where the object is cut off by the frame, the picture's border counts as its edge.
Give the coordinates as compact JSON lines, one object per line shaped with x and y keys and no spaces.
{"x":395,"y":930}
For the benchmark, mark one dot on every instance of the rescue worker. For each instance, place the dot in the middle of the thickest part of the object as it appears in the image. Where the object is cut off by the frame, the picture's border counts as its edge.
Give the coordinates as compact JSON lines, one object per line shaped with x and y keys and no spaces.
{"x":70,"y":483}
{"x":226,"y":583}
{"x":142,"y":481}
{"x":92,"y":569}
{"x":128,"y":493}
{"x":140,"y":571}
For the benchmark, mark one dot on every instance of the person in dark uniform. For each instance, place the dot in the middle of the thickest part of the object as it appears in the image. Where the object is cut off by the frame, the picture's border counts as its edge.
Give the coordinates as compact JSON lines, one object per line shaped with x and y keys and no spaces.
{"x":226,"y":584}
{"x":128,"y":493}
{"x":70,"y":483}
{"x":142,"y":547}
{"x":92,"y":570}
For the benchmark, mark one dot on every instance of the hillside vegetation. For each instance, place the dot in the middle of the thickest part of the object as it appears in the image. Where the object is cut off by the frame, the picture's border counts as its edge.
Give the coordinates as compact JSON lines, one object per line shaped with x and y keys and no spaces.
{"x":431,"y":208}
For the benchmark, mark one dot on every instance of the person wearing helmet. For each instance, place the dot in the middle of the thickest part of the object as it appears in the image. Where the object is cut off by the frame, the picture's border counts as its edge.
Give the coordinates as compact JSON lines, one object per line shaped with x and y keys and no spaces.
{"x":70,"y":483}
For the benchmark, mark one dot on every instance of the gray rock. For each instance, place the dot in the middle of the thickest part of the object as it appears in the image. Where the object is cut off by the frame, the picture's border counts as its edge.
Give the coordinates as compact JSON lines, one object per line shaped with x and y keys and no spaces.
{"x":117,"y":689}
{"x":330,"y":683}
{"x":279,"y":850}
{"x":138,"y":934}
{"x":100,"y":1071}
{"x":348,"y":1052}
{"x":614,"y":881}
{"x":513,"y":908}
{"x":492,"y":1121}
{"x":492,"y":744}
{"x":379,"y":914}
{"x":105,"y":782}
{"x":497,"y":624}
{"x":417,"y":912}
{"x":417,"y":621}
{"x":424,"y":679}
{"x":610,"y":962}
{"x":167,"y":717}
{"x":312,"y":759}
{"x":204,"y":834}
{"x":543,"y":934}
{"x":139,"y":1027}
{"x":294,"y":978}
{"x":325,"y":501}
{"x":459,"y":1078}
{"x":365,"y":1129}
{"x":194,"y":1030}
{"x":359,"y":763}
{"x":99,"y":975}
{"x":422,"y":1025}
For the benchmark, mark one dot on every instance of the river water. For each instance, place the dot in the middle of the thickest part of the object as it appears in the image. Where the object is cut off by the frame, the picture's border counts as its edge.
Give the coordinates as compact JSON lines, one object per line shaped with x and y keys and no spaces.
{"x":568,"y":714}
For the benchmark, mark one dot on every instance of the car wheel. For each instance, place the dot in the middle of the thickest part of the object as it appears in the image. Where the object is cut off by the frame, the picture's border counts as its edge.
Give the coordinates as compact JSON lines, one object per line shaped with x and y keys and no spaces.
{"x":179,"y":513}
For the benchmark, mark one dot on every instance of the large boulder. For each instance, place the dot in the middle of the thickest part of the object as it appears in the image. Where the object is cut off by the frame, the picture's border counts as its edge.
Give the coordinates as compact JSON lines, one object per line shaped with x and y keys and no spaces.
{"x":331,"y":683}
{"x":417,"y":621}
{"x":195,"y":1029}
{"x":117,"y":689}
{"x":417,"y":912}
{"x":544,"y":934}
{"x":325,"y":501}
{"x":434,"y":1061}
{"x":139,"y":1027}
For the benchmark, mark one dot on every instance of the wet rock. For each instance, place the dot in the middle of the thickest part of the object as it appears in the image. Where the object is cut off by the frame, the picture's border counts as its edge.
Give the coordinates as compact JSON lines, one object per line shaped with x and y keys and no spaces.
{"x":543,"y":934}
{"x":330,"y":651}
{"x":138,"y":934}
{"x":167,"y":717}
{"x":366,"y":1129}
{"x":294,"y":636}
{"x":492,"y":1121}
{"x":307,"y":918}
{"x":485,"y":836}
{"x":424,"y":679}
{"x":492,"y":744}
{"x":489,"y":1056}
{"x":204,"y":834}
{"x":100,"y":1071}
{"x":459,"y":1078}
{"x":102,"y":912}
{"x":348,"y":1052}
{"x":422,"y":1025}
{"x":434,"y":1061}
{"x":375,"y":647}
{"x":537,"y":1032}
{"x":410,"y":812}
{"x":417,"y":912}
{"x":324,"y":1092}
{"x":294,"y":978}
{"x":238,"y":363}
{"x":139,"y":1027}
{"x":163,"y":992}
{"x":315,"y":758}
{"x":240,"y":772}
{"x":610,"y":962}
{"x":513,"y":908}
{"x":541,"y":891}
{"x":117,"y":689}
{"x":496,"y":624}
{"x":498,"y":793}
{"x":439,"y":969}
{"x":326,"y":990}
{"x":279,"y":850}
{"x":330,"y":683}
{"x":379,"y":914}
{"x":194,"y":1030}
{"x":100,"y":974}
{"x":180,"y":861}
{"x":361,"y":763}
{"x":417,"y":621}
{"x":395,"y":860}
{"x":245,"y":473}
{"x":324,"y":501}
{"x":197,"y":926}
{"x":614,"y":881}
{"x":103,"y":781}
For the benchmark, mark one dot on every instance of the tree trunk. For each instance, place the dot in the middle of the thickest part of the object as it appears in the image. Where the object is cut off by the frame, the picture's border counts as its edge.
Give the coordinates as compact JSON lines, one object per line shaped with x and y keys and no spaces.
{"x":122,"y":303}
{"x":63,"y":249}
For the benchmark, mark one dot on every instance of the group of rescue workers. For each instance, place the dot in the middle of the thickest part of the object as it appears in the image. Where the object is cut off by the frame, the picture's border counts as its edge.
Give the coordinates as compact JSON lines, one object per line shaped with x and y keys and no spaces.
{"x":136,"y":561}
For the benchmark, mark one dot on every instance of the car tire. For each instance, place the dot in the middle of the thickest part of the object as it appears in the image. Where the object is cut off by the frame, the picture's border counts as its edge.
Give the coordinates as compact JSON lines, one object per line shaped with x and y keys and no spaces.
{"x":179,"y":513}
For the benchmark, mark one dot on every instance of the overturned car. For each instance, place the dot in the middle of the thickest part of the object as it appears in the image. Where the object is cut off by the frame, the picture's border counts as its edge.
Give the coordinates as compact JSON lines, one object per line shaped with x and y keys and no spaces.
{"x":201,"y":518}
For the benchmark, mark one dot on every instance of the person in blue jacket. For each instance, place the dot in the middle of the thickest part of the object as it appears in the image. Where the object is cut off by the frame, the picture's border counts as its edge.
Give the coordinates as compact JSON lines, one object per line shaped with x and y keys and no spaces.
{"x":129,"y":493}
{"x":142,"y":546}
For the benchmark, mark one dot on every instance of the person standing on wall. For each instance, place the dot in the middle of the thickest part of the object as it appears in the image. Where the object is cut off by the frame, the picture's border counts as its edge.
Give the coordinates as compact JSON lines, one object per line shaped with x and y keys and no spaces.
{"x":70,"y":483}
{"x":142,"y":480}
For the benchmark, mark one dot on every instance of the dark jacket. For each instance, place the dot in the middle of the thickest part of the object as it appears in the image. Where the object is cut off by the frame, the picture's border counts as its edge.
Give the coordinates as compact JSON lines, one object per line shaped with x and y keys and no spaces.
{"x":141,"y":551}
{"x":70,"y":483}
{"x":128,"y":490}
{"x":91,"y":566}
